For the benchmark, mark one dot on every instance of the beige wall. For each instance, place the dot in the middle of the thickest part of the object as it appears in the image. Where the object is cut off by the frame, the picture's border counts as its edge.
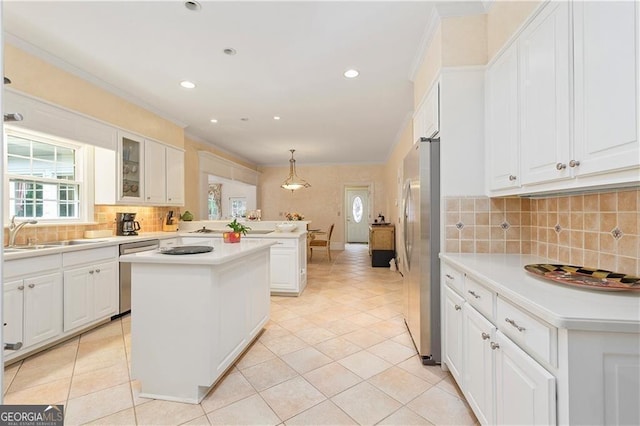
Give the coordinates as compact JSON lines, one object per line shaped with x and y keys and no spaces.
{"x":193,"y":200}
{"x":323,"y":203}
{"x":393,"y":172}
{"x":38,"y":78}
{"x":464,"y":41}
{"x":504,"y":18}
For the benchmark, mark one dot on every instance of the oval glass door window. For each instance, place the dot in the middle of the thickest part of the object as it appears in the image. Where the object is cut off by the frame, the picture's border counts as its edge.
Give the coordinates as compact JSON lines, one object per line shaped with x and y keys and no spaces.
{"x":356,"y":208}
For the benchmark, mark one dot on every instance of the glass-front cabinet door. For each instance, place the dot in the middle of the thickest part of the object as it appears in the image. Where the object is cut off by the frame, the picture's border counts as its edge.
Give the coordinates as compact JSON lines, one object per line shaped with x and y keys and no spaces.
{"x":131,"y":172}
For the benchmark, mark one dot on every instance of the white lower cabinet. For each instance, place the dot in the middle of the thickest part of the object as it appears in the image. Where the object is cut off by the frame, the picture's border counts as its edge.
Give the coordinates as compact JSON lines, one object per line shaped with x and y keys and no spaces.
{"x":453,"y":322}
{"x":502,"y":383}
{"x":90,"y":293}
{"x":525,"y":392}
{"x":478,"y":373}
{"x":288,"y":266}
{"x":32,"y":309}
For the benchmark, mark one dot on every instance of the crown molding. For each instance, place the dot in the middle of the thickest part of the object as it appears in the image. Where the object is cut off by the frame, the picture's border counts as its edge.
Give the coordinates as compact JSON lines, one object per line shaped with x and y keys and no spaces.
{"x":80,"y":73}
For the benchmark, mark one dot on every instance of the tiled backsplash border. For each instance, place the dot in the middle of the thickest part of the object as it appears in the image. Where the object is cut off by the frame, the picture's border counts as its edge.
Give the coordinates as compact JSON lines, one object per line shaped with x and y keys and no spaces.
{"x":597,"y":230}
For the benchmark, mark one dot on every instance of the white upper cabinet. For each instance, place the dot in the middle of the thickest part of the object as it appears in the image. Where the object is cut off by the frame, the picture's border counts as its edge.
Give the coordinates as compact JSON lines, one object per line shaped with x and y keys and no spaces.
{"x":426,"y":119}
{"x":175,"y":176}
{"x":606,"y":86}
{"x":577,"y":116}
{"x":544,"y":90}
{"x":503,"y":151}
{"x":155,"y":158}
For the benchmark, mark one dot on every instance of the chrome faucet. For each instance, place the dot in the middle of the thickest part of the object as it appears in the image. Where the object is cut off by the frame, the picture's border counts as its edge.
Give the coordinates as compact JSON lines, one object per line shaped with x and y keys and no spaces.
{"x":15,"y":228}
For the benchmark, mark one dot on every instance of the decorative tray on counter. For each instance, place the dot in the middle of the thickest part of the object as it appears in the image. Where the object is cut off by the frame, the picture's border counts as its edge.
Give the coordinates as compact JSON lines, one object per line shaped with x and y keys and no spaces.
{"x":187,"y":250}
{"x":580,"y":276}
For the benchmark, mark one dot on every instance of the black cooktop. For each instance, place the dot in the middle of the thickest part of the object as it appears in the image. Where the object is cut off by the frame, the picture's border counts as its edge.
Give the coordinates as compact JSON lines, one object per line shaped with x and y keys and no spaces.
{"x":188,"y":250}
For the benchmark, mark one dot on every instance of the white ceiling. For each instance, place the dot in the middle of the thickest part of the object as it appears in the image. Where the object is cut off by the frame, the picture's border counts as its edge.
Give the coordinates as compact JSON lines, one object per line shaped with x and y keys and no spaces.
{"x":289,"y":62}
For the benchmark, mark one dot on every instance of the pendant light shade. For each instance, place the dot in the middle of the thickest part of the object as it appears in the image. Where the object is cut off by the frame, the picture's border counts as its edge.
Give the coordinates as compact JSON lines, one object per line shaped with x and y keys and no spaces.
{"x":293,"y":182}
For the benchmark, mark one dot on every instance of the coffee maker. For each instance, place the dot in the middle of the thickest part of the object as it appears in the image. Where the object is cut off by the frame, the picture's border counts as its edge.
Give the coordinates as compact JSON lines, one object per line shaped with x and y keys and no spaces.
{"x":127,"y":224}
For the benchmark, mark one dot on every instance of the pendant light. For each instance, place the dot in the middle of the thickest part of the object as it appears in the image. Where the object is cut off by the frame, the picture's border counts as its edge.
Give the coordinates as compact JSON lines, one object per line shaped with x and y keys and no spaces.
{"x":293,"y":182}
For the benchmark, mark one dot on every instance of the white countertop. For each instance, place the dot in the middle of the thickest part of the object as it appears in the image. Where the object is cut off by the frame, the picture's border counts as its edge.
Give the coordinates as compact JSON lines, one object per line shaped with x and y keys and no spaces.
{"x":561,"y":305}
{"x":222,"y":253}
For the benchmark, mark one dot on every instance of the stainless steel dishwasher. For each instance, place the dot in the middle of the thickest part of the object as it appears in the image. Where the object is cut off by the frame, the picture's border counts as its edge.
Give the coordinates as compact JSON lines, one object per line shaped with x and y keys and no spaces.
{"x":125,"y":271}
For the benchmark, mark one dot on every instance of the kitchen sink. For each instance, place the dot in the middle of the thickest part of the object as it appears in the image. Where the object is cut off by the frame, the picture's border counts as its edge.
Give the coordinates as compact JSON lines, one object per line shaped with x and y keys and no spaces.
{"x":52,"y":244}
{"x":72,"y":242}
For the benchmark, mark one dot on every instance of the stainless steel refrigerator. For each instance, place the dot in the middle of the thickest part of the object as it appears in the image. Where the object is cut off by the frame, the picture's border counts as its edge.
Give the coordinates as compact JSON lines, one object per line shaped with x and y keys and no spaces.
{"x":420,"y":222}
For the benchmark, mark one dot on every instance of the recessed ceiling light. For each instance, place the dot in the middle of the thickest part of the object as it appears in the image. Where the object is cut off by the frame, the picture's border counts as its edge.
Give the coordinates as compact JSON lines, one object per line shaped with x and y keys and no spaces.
{"x":213,"y":120}
{"x":275,"y":117}
{"x":230,"y":51}
{"x":352,"y":73}
{"x":192,"y":5}
{"x":187,"y":84}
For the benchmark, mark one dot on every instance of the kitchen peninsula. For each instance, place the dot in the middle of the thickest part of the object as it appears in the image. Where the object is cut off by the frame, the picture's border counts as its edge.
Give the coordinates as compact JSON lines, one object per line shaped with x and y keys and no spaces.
{"x":194,"y":315}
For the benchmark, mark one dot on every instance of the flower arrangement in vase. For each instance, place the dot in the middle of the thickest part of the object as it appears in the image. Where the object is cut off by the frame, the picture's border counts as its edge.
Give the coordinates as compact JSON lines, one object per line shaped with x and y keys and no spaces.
{"x":294,"y":216}
{"x":238,"y":229}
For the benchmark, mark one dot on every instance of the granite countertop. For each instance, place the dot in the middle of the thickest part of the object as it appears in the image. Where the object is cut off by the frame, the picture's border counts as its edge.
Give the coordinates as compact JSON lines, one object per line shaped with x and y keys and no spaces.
{"x":560,"y":305}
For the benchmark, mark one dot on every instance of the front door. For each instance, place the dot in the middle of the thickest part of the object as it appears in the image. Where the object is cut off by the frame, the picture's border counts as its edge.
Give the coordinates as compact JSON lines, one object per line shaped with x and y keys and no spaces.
{"x":357,"y":214}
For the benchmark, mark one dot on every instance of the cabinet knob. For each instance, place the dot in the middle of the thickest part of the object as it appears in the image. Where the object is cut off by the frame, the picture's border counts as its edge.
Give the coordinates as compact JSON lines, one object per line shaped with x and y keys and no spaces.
{"x":512,"y":178}
{"x":485,"y":336}
{"x":473,"y":293}
{"x":148,"y":198}
{"x":97,"y":271}
{"x":574,"y":163}
{"x":20,"y":287}
{"x":458,"y":307}
{"x":561,"y":166}
{"x":513,"y":323}
{"x":32,"y":285}
{"x":451,"y":277}
{"x":494,"y":346}
{"x":91,"y":272}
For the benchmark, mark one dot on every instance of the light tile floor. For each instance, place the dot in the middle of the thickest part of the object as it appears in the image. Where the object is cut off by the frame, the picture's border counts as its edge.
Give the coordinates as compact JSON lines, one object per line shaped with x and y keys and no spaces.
{"x":339,"y":354}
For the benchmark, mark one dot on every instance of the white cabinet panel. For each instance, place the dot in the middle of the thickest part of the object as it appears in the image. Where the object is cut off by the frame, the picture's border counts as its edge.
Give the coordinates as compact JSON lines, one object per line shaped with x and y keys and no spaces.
{"x":426,"y":119}
{"x":105,"y":293}
{"x":606,"y":86}
{"x":42,"y":308}
{"x":78,"y":298}
{"x":525,"y":392}
{"x":544,"y":90}
{"x":175,"y":176}
{"x":503,"y":143}
{"x":283,"y":268}
{"x":155,"y":186}
{"x":478,"y":364}
{"x":12,"y":312}
{"x":453,"y":335}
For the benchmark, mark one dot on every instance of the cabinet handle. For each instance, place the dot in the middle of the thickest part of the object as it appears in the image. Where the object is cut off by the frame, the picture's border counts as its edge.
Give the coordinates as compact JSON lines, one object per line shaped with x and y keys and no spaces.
{"x":512,"y":178}
{"x":98,"y":271}
{"x":91,"y":272}
{"x":458,"y":307}
{"x":560,"y":166}
{"x":148,"y":198}
{"x":449,"y":277}
{"x":494,"y":346}
{"x":485,"y":336}
{"x":574,"y":163}
{"x":32,"y":285}
{"x":513,"y":323}
{"x":473,"y":293}
{"x":20,"y":287}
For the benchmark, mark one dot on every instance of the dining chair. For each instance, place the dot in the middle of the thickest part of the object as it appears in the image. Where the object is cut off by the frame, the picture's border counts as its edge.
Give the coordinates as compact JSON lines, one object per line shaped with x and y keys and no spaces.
{"x":314,"y":242}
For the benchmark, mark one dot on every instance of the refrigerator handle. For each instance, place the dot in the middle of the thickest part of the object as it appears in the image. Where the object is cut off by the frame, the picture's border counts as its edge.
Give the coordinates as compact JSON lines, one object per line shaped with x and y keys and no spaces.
{"x":405,"y":228}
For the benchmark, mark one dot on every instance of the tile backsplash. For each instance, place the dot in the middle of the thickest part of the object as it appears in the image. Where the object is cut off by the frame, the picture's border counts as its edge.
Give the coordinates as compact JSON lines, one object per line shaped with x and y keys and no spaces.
{"x":150,"y":219}
{"x":595,"y":230}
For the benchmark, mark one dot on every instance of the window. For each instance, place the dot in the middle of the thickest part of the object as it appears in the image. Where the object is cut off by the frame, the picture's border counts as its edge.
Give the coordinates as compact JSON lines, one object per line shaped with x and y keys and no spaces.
{"x":43,"y":177}
{"x":238,"y":206}
{"x":357,"y":209}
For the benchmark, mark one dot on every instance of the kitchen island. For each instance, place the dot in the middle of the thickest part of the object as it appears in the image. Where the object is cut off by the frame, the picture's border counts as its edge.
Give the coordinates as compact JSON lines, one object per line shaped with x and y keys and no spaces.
{"x":194,"y":315}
